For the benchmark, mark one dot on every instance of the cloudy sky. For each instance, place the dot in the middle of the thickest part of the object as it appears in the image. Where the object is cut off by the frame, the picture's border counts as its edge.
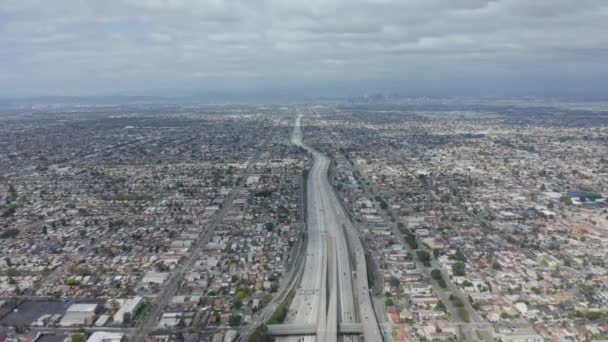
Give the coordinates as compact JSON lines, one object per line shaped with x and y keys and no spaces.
{"x":83,"y":47}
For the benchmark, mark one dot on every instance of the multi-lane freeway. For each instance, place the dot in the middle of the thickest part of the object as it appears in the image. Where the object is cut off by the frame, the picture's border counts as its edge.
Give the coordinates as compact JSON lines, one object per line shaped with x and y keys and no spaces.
{"x":333,"y":288}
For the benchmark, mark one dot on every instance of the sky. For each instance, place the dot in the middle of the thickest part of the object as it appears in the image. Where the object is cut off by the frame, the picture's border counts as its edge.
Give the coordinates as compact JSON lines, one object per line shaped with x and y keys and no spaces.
{"x":181,"y":47}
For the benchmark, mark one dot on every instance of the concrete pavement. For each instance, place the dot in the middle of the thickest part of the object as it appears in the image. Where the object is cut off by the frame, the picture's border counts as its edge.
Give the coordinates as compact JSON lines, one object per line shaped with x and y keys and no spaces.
{"x":329,"y":294}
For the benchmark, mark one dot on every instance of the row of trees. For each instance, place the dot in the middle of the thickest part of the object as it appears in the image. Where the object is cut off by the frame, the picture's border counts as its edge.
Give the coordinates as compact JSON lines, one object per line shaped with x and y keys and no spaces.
{"x":437,"y":276}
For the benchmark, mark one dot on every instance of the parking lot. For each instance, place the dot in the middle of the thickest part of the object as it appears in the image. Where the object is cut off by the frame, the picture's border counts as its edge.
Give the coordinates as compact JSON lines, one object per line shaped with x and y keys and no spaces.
{"x":29,"y":311}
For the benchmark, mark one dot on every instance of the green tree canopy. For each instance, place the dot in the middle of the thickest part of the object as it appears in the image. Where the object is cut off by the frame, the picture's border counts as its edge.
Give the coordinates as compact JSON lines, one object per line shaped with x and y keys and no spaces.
{"x":240,"y":294}
{"x":78,"y":337}
{"x":459,"y":269}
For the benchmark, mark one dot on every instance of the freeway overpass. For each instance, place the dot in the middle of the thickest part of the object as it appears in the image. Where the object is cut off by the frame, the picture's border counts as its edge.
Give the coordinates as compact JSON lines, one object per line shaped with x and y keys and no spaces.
{"x":295,"y":329}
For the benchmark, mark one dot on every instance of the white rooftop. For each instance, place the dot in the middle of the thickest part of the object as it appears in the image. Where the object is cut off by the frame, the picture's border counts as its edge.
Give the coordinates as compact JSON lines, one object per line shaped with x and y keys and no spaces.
{"x":83,"y":307}
{"x":106,"y":336}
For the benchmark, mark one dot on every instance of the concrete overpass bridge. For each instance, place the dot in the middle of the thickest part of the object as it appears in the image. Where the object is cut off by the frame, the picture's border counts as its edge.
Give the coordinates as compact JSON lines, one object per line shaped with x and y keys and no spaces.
{"x":294,"y":329}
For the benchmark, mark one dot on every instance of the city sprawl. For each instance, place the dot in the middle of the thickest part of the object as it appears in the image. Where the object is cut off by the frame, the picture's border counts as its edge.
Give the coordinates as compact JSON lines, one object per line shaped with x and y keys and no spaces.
{"x":392,"y":219}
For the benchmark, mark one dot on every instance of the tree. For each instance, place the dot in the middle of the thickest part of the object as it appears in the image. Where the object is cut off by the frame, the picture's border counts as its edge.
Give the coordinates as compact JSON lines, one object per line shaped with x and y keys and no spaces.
{"x":78,"y":337}
{"x":263,"y":193}
{"x":460,"y":256}
{"x":12,"y":191}
{"x":459,"y":269}
{"x":440,"y":306}
{"x":10,"y":211}
{"x":436,"y":274}
{"x":9,"y":233}
{"x":389,"y":302}
{"x":240,"y":294}
{"x":566,"y":200}
{"x":383,"y":205}
{"x":410,"y":239}
{"x":457,"y":301}
{"x":593,"y":315}
{"x":278,"y":316}
{"x":11,"y":272}
{"x":235,"y":319}
{"x":424,"y":257}
{"x":260,"y":335}
{"x":587,"y":290}
{"x":126,"y":317}
{"x":70,"y":282}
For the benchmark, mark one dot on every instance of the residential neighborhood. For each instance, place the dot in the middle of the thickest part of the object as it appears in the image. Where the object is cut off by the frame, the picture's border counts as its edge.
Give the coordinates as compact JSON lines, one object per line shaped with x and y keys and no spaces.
{"x":192,"y":225}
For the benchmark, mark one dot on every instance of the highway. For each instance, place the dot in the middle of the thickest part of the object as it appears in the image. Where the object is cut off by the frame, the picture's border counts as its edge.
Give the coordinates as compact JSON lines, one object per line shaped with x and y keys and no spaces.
{"x":333,"y":288}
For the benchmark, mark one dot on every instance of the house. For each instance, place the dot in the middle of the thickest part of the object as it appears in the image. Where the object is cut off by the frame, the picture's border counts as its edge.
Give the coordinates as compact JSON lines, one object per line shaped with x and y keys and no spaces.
{"x":521,"y":335}
{"x":130,"y":307}
{"x":105,"y":336}
{"x":155,"y":278}
{"x":79,"y":314}
{"x":418,"y":288}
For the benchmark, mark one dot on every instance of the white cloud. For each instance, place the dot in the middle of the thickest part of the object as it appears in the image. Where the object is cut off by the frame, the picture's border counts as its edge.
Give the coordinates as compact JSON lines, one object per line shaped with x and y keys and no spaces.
{"x":160,"y":37}
{"x":299,"y":39}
